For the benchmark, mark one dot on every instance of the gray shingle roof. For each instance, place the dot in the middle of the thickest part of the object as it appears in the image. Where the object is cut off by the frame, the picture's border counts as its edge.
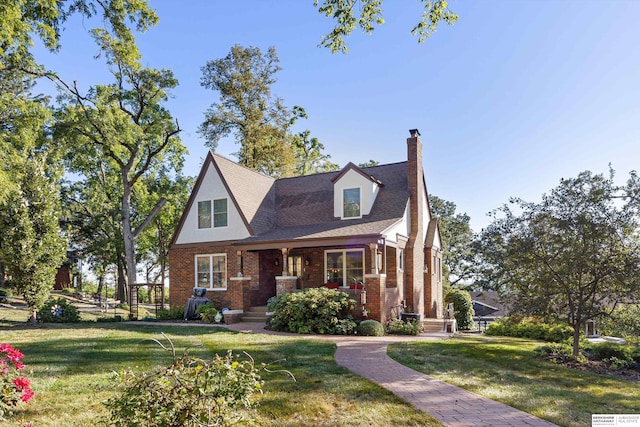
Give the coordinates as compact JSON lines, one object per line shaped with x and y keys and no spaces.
{"x":303,"y":207}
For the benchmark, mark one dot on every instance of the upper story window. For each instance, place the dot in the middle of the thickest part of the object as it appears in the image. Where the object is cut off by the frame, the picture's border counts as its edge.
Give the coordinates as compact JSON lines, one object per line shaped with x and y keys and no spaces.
{"x":219,"y":214}
{"x":351,"y":203}
{"x":204,"y":214}
{"x":220,"y":217}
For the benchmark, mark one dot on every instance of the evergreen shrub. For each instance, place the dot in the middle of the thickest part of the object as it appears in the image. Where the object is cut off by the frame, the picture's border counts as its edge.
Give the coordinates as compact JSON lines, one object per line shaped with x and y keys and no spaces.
{"x":530,"y":327}
{"x":463,"y":307}
{"x":370,"y":328}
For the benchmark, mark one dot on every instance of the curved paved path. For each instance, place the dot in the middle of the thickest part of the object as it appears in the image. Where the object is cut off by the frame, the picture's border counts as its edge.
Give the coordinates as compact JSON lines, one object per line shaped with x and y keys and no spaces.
{"x":451,"y":405}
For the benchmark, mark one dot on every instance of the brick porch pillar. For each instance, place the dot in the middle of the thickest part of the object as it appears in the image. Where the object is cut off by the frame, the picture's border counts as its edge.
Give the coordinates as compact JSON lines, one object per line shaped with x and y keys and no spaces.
{"x":285,"y":284}
{"x":375,"y":285}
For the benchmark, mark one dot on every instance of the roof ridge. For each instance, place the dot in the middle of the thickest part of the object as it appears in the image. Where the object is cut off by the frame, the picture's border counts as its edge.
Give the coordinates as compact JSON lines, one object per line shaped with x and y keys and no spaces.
{"x":220,"y":156}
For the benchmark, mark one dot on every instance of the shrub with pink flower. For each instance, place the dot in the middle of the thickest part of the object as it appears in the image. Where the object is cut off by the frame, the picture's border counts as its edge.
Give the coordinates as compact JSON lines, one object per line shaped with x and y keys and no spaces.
{"x":14,"y":386}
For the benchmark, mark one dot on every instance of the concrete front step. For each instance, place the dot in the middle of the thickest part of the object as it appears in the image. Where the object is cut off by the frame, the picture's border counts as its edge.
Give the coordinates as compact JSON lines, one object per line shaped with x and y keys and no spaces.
{"x":438,"y":325}
{"x":255,"y":314}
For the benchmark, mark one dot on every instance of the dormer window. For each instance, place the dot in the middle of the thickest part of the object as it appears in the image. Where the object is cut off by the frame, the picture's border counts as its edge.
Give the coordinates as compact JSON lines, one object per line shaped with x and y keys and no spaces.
{"x":351,"y":203}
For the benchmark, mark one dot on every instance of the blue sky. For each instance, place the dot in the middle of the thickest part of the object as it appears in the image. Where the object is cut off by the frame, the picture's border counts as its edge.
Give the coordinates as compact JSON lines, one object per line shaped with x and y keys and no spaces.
{"x":515,"y":96}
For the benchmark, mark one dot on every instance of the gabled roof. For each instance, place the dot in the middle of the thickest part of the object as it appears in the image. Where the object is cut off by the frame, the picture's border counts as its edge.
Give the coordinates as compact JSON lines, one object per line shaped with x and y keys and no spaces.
{"x":300,"y":208}
{"x":251,"y":193}
{"x":357,"y":169}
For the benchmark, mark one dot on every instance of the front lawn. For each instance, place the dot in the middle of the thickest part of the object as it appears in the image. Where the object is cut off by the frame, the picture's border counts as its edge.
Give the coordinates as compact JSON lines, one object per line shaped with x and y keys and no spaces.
{"x":70,"y":367}
{"x":505,"y":369}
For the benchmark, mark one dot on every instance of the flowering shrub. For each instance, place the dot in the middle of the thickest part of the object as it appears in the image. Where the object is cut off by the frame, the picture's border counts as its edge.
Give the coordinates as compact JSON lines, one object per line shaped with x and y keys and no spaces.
{"x":59,"y":311}
{"x":313,"y":311}
{"x":14,"y":387}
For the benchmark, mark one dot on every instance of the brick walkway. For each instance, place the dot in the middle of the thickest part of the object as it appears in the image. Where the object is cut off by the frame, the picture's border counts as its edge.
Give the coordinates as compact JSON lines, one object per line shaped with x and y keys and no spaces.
{"x":452,"y":406}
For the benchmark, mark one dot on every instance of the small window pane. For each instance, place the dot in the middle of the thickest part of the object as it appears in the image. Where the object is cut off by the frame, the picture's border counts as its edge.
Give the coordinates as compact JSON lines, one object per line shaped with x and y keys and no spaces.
{"x":355,"y":271}
{"x":351,"y":198}
{"x":219,"y":271}
{"x":220,"y":213}
{"x":204,"y":214}
{"x":203,"y":271}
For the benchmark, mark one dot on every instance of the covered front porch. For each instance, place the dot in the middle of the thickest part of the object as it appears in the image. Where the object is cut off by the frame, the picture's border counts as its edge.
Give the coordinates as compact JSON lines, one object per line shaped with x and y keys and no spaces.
{"x":367,"y":267}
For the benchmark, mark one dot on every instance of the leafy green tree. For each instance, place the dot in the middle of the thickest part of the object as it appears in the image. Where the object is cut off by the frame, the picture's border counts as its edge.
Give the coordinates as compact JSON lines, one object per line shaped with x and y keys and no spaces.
{"x":571,"y":257}
{"x":368,"y":164}
{"x":32,"y":246}
{"x":259,"y":120}
{"x":457,"y":238}
{"x":309,"y":155}
{"x":367,"y":14}
{"x":126,"y":127}
{"x":21,"y":20}
{"x":153,"y":246}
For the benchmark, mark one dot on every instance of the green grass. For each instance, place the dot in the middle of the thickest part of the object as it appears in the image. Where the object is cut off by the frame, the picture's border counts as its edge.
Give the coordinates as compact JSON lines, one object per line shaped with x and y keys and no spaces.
{"x":70,"y":367}
{"x":505,"y":369}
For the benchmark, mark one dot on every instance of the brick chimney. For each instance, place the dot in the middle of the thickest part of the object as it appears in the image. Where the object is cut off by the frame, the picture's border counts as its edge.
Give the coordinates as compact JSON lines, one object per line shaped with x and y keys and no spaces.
{"x":414,"y":252}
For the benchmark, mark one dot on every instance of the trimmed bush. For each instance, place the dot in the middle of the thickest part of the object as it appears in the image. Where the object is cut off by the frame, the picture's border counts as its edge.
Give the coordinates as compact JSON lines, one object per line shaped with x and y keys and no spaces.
{"x":59,"y":311}
{"x":528,"y":327}
{"x":463,"y":307}
{"x":207,"y":312}
{"x":370,"y":328}
{"x":557,"y":353}
{"x":175,"y":312}
{"x":313,"y":311}
{"x":608,"y":350}
{"x":398,"y":327}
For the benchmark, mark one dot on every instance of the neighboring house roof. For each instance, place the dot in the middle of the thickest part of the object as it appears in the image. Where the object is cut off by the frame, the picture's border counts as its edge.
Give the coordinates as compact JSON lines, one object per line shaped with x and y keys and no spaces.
{"x":487,"y":303}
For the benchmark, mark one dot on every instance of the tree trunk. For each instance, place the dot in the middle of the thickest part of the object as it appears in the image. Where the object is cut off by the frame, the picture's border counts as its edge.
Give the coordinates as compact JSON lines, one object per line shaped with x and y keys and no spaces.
{"x":100,"y":283}
{"x":576,"y":339}
{"x":121,"y":292}
{"x":129,"y":240}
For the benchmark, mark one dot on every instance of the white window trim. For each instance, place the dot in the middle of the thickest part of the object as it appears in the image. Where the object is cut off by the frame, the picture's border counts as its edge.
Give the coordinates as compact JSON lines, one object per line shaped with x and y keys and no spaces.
{"x":213,"y":214}
{"x":210,"y":287}
{"x":359,"y":188}
{"x":344,"y":268}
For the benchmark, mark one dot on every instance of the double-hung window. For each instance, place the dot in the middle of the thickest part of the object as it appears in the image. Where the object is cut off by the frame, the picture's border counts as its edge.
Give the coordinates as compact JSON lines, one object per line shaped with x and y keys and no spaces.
{"x":344,"y":266}
{"x":220,"y":217}
{"x":211,"y":271}
{"x":204,"y":214}
{"x":351,"y":203}
{"x":220,"y":214}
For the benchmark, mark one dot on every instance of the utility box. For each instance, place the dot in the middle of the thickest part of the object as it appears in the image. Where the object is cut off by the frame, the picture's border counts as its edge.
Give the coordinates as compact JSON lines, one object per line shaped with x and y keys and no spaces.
{"x":411,"y":317}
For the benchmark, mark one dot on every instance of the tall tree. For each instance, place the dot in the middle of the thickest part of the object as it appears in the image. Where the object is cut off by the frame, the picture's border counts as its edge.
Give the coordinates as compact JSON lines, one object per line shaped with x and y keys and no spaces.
{"x":259,"y":120}
{"x":154,"y":241}
{"x":125,"y":125}
{"x":574,"y":256}
{"x":32,"y":246}
{"x":457,"y":238}
{"x":367,"y":14}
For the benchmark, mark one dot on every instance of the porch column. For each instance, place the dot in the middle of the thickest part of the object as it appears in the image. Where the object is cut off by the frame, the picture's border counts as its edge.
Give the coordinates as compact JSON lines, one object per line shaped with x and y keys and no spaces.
{"x":373,"y":251}
{"x":239,"y":263}
{"x":285,"y":260}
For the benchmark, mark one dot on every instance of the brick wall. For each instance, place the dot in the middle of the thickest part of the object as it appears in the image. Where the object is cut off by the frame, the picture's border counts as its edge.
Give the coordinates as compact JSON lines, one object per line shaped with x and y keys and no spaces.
{"x":182,"y":276}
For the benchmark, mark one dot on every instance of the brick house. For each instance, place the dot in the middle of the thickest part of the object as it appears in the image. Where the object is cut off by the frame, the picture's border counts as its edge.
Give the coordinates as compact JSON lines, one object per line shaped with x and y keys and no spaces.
{"x":368,"y":231}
